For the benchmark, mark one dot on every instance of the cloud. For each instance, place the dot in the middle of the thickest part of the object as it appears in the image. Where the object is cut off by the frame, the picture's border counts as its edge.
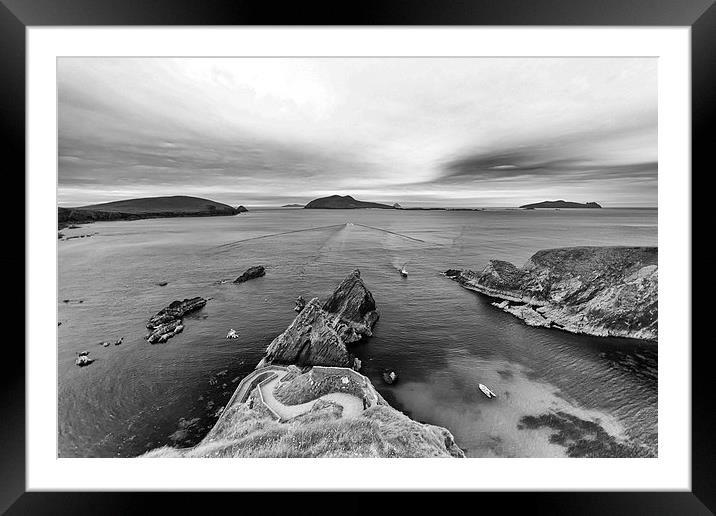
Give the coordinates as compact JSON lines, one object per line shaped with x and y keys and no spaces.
{"x":430,"y":131}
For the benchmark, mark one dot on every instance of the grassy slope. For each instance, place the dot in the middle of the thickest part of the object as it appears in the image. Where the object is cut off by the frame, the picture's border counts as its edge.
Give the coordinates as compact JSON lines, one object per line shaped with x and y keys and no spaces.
{"x":380,"y":431}
{"x":174,"y":204}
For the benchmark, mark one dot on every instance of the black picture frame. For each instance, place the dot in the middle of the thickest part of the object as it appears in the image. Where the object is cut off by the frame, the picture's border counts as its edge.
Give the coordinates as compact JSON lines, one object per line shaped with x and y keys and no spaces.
{"x":700,"y":15}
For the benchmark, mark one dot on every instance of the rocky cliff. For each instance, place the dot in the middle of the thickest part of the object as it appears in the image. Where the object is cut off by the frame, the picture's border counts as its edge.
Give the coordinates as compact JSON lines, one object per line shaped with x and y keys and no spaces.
{"x":307,"y":410}
{"x":249,"y":427}
{"x":606,"y":291}
{"x":320,"y":333}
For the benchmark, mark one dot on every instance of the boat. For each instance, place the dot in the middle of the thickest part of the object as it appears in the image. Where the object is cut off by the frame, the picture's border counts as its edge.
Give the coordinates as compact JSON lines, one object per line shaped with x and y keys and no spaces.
{"x":403,"y":272}
{"x":486,"y":391}
{"x":232,"y":334}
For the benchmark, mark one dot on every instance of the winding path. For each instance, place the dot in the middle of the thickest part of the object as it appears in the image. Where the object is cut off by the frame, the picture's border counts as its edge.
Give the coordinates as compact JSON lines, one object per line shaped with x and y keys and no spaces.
{"x":266,"y":379}
{"x":352,"y":405}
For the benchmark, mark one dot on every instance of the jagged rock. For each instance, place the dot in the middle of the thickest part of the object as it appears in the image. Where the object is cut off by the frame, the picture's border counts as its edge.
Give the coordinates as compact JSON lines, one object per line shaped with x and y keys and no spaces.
{"x":311,"y":339}
{"x":251,"y":273}
{"x":606,"y":291}
{"x":168,"y":321}
{"x":176,"y":310}
{"x":390,"y":377}
{"x":165,"y":331}
{"x":354,"y":308}
{"x":319,"y":334}
{"x":83,"y":359}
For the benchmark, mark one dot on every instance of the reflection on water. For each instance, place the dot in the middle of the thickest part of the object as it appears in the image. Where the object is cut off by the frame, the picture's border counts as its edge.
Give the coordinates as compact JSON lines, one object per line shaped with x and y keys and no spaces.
{"x":441,"y":339}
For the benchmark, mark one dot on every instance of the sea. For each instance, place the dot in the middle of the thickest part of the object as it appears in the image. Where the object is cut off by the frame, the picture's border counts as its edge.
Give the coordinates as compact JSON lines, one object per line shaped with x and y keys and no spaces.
{"x":441,"y":340}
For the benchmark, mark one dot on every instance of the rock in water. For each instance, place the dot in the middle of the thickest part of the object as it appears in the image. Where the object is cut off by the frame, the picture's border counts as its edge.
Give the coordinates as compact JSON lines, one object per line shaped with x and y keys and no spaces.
{"x":319,"y":334}
{"x":300,"y":418}
{"x":168,"y":321}
{"x":606,"y":291}
{"x":354,"y":308}
{"x":390,"y":377}
{"x":251,"y":273}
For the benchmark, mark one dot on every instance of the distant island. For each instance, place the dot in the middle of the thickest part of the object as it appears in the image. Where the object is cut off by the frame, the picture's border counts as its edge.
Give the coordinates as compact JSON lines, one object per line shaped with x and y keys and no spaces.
{"x":344,"y":202}
{"x":560,"y":204}
{"x":145,"y":208}
{"x":292,"y":206}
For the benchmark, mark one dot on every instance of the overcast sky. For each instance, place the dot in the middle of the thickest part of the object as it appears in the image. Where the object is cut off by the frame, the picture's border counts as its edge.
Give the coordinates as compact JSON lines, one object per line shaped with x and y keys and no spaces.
{"x":417,"y":131}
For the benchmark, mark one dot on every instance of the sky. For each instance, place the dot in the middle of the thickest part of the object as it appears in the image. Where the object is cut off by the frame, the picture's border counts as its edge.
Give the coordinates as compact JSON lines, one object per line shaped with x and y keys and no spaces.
{"x":432,"y":132}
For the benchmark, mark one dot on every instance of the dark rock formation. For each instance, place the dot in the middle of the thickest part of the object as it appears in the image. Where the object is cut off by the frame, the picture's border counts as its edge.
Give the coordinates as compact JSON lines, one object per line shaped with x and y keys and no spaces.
{"x":344,"y":202}
{"x":397,"y":206}
{"x":319,"y":334}
{"x":241,"y":209}
{"x":606,"y":291}
{"x":292,"y":206}
{"x":560,"y":204}
{"x":390,"y":377}
{"x":252,"y":272}
{"x":83,"y":359}
{"x":353,"y":306}
{"x":168,"y":321}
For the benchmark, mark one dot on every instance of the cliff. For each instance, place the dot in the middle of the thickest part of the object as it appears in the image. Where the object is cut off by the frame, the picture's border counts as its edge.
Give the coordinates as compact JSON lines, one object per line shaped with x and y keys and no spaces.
{"x":320,"y":333}
{"x":145,"y":208}
{"x":308,"y":410}
{"x":561,"y":204}
{"x":345,"y":202}
{"x":605,"y":291}
{"x":317,"y":420}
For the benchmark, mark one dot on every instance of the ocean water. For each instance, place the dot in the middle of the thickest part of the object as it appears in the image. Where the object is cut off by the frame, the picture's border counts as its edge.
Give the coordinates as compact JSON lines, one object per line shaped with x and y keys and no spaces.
{"x":441,"y":339}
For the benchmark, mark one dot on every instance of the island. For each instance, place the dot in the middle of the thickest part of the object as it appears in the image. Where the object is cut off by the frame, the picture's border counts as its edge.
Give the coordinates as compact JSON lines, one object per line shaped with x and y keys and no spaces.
{"x":307,"y":399}
{"x":292,"y":206}
{"x":604,"y":291}
{"x":344,"y":202}
{"x":560,"y":204}
{"x":145,"y":208}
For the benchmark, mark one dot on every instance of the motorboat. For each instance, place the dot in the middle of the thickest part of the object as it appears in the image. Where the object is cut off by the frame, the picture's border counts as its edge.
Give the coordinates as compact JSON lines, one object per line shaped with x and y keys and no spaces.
{"x":403,"y":272}
{"x":232,"y":334}
{"x":486,"y":391}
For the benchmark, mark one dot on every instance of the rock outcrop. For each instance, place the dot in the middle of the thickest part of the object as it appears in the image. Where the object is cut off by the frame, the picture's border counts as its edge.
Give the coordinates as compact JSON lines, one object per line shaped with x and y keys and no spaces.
{"x":248,"y":427}
{"x":251,"y":273}
{"x":353,"y":308}
{"x":319,"y":333}
{"x":304,"y":410}
{"x":605,"y":291}
{"x":168,"y":321}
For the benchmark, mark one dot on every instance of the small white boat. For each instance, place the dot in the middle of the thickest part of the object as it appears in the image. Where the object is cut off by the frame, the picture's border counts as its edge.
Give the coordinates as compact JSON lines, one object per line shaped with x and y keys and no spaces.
{"x":232,"y":334}
{"x":403,"y":272}
{"x":486,"y":391}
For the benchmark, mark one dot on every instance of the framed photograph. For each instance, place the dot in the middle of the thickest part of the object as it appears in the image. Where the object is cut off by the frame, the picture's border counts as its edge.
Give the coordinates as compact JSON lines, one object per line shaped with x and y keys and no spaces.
{"x":290,"y":251}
